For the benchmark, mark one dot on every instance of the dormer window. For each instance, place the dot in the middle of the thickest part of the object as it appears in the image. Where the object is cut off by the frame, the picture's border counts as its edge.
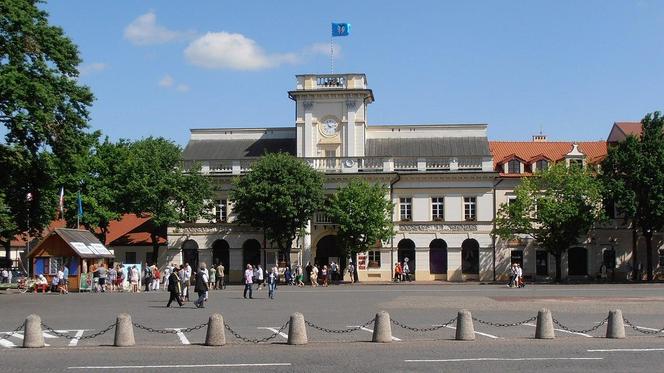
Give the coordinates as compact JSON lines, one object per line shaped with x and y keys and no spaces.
{"x":541,"y":165}
{"x":514,"y":167}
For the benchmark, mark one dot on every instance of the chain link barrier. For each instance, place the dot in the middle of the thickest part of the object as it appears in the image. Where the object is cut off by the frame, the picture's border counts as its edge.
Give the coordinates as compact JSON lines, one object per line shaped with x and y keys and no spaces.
{"x":641,"y":330}
{"x":12,"y":333}
{"x":434,"y":328}
{"x":339,"y":331}
{"x":67,"y":336}
{"x":169,"y":331}
{"x":584,"y":331}
{"x":250,"y":340}
{"x":505,"y":325}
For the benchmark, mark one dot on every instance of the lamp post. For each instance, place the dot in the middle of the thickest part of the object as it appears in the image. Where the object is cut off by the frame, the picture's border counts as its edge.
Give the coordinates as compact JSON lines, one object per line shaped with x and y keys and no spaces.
{"x":28,"y":199}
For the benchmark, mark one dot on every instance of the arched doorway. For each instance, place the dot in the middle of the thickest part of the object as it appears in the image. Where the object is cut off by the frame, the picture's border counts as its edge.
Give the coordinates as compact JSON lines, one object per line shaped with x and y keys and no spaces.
{"x":328,"y":251}
{"x":470,"y":257}
{"x":190,"y":253}
{"x":221,"y":254}
{"x":577,"y":261}
{"x":406,"y":249}
{"x":438,"y":256}
{"x":251,"y":253}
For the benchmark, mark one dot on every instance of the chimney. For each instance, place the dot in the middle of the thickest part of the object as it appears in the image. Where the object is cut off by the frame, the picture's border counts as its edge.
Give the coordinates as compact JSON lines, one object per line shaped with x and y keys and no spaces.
{"x":539,"y":138}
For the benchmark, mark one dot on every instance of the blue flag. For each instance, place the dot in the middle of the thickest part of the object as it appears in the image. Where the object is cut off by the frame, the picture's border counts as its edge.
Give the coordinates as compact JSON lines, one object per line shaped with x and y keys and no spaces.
{"x":340,"y":29}
{"x":80,"y":205}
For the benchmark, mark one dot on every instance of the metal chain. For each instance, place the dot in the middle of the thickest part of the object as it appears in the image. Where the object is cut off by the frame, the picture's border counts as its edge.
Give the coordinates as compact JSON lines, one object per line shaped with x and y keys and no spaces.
{"x":67,"y":336}
{"x":12,"y":333}
{"x":640,"y":330}
{"x":438,"y":327}
{"x":249,"y":340}
{"x":505,"y":325}
{"x":339,"y":331}
{"x":168,"y":331}
{"x":597,"y":326}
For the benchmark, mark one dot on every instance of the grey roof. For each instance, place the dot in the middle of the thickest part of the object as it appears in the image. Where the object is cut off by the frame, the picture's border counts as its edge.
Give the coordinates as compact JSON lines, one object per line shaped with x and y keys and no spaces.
{"x":236,"y":149}
{"x":428,"y":147}
{"x":84,"y":243}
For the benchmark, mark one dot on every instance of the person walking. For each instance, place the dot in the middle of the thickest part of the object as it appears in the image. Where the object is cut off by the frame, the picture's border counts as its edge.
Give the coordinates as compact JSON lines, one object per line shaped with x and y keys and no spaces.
{"x":201,"y":286}
{"x":406,"y":271}
{"x":65,"y":278}
{"x":248,"y":281}
{"x":519,"y":276}
{"x":186,"y":279}
{"x":220,"y":276}
{"x":351,"y":272}
{"x":260,"y":277}
{"x":299,"y":276}
{"x":156,"y":277}
{"x":313,"y":276}
{"x":112,"y":278}
{"x":212,"y":280}
{"x":173,"y":288}
{"x":512,"y":274}
{"x":166,"y":274}
{"x":323,"y":275}
{"x":397,"y":272}
{"x":103,"y":272}
{"x":272,"y":279}
{"x":134,"y":279}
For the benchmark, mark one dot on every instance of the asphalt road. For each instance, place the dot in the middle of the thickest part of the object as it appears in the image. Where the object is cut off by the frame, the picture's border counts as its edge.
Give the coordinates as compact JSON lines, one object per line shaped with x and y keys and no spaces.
{"x":578,"y":307}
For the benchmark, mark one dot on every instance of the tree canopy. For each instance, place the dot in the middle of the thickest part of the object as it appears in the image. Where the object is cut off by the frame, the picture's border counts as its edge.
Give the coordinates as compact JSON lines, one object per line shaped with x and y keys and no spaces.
{"x":363,"y":215}
{"x":634,"y":178}
{"x":556,"y":207}
{"x":279,"y":196}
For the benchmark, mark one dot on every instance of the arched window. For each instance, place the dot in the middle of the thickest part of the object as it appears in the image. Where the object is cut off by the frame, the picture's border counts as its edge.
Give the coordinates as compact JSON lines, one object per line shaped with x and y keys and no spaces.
{"x":406,"y":250}
{"x":470,"y":257}
{"x":190,"y":253}
{"x":438,"y":256}
{"x":221,"y":253}
{"x":514,"y":166}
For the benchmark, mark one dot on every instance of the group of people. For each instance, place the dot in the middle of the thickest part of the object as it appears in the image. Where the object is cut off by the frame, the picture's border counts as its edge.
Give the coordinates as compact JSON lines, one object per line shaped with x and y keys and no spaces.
{"x":177,"y":280}
{"x":317,"y":275}
{"x":6,"y":276}
{"x":516,"y":276}
{"x":402,"y":272}
{"x":256,"y":275}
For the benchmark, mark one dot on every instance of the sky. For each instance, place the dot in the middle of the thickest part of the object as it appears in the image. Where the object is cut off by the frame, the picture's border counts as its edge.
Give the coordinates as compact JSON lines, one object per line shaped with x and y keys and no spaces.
{"x":568,"y":68}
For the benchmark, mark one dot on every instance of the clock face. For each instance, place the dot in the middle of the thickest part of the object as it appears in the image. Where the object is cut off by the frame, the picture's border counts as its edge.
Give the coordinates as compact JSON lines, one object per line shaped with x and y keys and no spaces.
{"x":329,"y":127}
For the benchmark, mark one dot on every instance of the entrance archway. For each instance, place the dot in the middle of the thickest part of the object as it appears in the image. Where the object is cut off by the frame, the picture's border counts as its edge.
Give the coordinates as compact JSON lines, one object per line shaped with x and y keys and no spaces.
{"x":221,"y":254}
{"x":327,"y":251}
{"x":470,"y":257}
{"x":251,"y":253}
{"x":190,"y":253}
{"x":577,"y":261}
{"x":438,"y":256}
{"x":406,"y":249}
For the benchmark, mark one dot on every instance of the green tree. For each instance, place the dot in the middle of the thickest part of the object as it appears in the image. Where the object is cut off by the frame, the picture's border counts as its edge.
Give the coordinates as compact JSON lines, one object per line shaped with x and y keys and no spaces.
{"x":279,"y":196}
{"x":556,"y":207}
{"x":363,"y":215}
{"x":633,"y":175}
{"x":156,"y":185}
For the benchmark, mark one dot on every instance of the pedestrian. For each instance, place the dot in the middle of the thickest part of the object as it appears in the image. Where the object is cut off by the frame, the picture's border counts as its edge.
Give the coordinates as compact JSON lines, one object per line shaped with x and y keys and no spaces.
{"x":133,"y":278}
{"x":103,"y":272}
{"x":65,"y":278}
{"x":201,"y":286}
{"x":156,"y":277}
{"x":351,"y":272}
{"x":406,"y":271}
{"x":308,"y":269}
{"x":173,"y":288}
{"x":512,"y":274}
{"x":313,"y":276}
{"x":186,"y":280}
{"x":61,"y":283}
{"x":5,"y":276}
{"x":212,"y":278}
{"x":272,"y":279}
{"x":299,"y":276}
{"x":112,"y":278}
{"x":54,"y":284}
{"x":147,"y":277}
{"x":248,"y":282}
{"x":323,"y":276}
{"x":220,"y":276}
{"x":260,"y":277}
{"x":397,"y":272}
{"x":519,"y":276}
{"x":166,"y":274}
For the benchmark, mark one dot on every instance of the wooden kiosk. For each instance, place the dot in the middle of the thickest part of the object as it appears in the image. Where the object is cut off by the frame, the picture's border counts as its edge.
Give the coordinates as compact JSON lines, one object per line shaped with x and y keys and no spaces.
{"x":74,"y":248}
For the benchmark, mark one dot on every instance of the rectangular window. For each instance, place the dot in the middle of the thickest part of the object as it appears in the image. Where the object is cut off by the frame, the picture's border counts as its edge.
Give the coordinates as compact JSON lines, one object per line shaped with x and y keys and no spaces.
{"x":511,"y":200}
{"x":374,"y":259}
{"x":514,"y":167}
{"x":516,"y":256}
{"x":438,"y":208}
{"x":470,"y":208}
{"x":406,"y":208}
{"x":130,"y":257}
{"x":55,"y":264}
{"x":221,"y":213}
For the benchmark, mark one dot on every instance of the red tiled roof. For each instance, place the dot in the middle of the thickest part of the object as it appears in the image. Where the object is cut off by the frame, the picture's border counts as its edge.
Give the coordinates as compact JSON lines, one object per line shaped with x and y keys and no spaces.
{"x":531,"y":151}
{"x":20,"y":240}
{"x":630,"y":128}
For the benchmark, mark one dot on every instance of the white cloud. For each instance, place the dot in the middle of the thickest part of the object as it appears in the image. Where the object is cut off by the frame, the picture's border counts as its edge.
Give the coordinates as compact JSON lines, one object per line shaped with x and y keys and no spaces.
{"x":166,"y":81}
{"x":91,"y":68}
{"x":223,"y":50}
{"x":144,"y":30}
{"x":182,"y":88}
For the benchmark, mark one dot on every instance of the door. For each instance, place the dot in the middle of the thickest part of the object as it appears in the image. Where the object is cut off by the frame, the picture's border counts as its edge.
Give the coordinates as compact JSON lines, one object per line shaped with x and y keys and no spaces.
{"x":542,"y":263}
{"x":577,"y":261}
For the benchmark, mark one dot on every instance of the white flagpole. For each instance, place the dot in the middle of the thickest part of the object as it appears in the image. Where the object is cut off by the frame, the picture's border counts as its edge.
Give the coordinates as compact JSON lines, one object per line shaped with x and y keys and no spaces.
{"x":331,"y":55}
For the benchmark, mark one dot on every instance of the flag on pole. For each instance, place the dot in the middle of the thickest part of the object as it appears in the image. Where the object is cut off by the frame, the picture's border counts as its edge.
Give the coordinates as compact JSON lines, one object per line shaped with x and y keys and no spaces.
{"x":80,"y":205}
{"x":340,"y":29}
{"x":62,"y":202}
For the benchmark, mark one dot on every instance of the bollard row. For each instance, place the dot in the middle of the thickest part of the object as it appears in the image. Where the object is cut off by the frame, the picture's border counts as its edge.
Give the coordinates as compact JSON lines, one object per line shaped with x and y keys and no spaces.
{"x":297,"y":329}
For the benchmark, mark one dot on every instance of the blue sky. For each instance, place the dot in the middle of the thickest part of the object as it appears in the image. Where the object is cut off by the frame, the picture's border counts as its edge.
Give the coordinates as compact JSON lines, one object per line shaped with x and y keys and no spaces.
{"x":570,"y":67}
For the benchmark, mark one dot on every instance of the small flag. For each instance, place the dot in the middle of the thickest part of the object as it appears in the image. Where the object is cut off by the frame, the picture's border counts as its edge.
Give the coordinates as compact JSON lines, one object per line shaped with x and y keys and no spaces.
{"x":62,"y":201}
{"x":80,"y":205}
{"x":340,"y":29}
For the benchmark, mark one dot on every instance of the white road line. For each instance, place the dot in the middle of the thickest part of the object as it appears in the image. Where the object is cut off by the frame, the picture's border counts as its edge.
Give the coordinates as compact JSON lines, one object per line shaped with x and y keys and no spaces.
{"x":645,"y":328}
{"x":476,"y":332}
{"x":563,"y":331}
{"x":501,"y":359}
{"x":77,"y":336}
{"x":7,"y":344}
{"x":247,"y":365}
{"x":628,"y":350}
{"x":20,"y":336}
{"x":274,"y":330}
{"x":369,"y":330}
{"x":183,"y":338}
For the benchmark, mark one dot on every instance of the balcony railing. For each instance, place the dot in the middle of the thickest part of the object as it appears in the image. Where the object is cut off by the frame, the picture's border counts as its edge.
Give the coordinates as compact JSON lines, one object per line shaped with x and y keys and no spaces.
{"x":360,"y":164}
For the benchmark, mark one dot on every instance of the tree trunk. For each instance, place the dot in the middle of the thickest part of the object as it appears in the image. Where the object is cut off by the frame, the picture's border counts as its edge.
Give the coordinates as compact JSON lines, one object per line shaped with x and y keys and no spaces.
{"x":648,"y":236}
{"x":559,"y":270}
{"x":635,"y":253}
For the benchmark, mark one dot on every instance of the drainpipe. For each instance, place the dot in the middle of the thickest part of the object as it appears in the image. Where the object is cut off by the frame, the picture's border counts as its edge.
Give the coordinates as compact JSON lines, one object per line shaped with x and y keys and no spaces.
{"x":398,"y":177}
{"x":493,"y":234}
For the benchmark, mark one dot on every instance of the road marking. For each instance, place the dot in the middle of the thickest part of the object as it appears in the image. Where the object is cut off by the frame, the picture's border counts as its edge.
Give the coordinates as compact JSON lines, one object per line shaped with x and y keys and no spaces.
{"x":628,"y":350}
{"x":248,"y":365}
{"x":183,"y":338}
{"x":646,"y":328}
{"x":77,"y":336}
{"x":7,"y":344}
{"x":476,"y":332}
{"x":501,"y":359}
{"x":20,"y":336}
{"x":564,"y":331}
{"x":369,"y":330}
{"x":274,"y":330}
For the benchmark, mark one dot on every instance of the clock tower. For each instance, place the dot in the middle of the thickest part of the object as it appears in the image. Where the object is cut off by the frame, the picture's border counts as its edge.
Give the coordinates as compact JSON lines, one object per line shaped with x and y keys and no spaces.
{"x":331,"y":115}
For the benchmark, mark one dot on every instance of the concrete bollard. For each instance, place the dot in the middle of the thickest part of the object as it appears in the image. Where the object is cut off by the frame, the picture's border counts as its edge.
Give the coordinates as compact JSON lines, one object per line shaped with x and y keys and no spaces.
{"x":297,"y":331}
{"x":615,"y":328}
{"x":216,"y":336}
{"x":464,"y":326}
{"x":32,"y":332}
{"x":544,"y":328}
{"x":382,"y":328}
{"x":124,"y":331}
